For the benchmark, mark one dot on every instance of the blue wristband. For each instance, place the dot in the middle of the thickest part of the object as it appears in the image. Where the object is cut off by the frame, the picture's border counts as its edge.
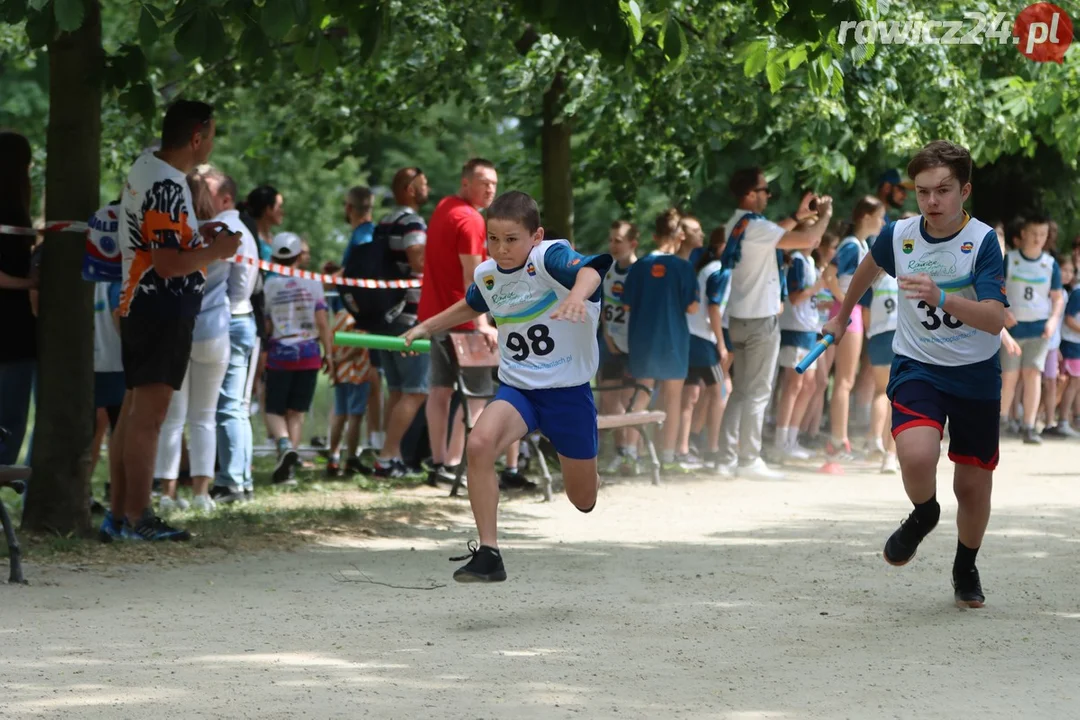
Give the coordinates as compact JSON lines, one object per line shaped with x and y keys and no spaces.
{"x":941,"y":302}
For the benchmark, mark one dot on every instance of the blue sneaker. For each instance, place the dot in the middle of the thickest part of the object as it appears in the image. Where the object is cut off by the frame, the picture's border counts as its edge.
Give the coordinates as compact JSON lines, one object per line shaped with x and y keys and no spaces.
{"x":111,"y":529}
{"x":153,"y":528}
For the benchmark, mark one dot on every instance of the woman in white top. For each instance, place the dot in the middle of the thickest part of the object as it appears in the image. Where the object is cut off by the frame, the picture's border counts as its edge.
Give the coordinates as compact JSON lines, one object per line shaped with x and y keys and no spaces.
{"x":867,"y":219}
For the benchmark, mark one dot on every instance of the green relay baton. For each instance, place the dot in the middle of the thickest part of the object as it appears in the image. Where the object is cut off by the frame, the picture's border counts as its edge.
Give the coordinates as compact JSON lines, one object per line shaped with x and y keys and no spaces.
{"x":380,"y":342}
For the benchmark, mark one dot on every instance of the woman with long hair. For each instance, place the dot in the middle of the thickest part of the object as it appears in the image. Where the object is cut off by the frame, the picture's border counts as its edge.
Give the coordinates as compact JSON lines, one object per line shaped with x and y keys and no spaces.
{"x":18,"y":351}
{"x":197,"y":400}
{"x":867,"y":219}
{"x":266,"y":206}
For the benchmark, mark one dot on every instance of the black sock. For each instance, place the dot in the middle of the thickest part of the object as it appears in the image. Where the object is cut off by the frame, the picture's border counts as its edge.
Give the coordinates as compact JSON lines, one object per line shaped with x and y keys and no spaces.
{"x":965,"y":557}
{"x":927,"y":513}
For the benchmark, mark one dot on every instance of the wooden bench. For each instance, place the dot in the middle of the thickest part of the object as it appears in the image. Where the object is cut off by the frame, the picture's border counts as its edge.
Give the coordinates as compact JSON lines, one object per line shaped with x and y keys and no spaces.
{"x":471,"y":350}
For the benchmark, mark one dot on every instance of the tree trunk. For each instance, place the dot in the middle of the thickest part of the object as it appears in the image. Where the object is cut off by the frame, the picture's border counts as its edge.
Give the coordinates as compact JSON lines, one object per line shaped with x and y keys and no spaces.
{"x":59,"y":490}
{"x":558,"y":187}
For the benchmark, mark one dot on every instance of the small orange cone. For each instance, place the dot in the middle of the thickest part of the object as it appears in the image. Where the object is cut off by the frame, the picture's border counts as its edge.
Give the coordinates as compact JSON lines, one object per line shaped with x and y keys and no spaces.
{"x":831,"y":467}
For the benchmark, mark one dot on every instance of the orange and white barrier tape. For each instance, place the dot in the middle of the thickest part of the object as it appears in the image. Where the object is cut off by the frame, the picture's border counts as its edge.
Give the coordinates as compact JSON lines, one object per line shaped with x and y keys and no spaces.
{"x":81,"y":227}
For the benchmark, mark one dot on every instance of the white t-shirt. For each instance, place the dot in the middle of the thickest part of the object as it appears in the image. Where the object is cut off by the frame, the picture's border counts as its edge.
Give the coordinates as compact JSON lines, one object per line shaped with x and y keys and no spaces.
{"x":242,"y":276}
{"x":291,"y":304}
{"x":107,"y":357}
{"x":755,"y":279}
{"x":615,"y":320}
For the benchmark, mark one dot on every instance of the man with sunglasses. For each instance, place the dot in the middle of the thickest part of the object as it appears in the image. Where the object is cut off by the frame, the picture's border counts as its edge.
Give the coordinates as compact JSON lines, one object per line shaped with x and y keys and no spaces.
{"x":404,"y":235}
{"x":753,"y":312}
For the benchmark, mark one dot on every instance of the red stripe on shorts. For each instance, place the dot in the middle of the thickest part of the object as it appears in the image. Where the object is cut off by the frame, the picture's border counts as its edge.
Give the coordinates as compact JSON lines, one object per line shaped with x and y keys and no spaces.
{"x":972,"y":460}
{"x":918,"y":422}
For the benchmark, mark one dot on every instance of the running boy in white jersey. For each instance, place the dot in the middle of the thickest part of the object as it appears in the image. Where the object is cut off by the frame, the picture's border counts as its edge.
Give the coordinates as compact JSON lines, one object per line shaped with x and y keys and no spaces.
{"x":622,"y":244}
{"x":1033,"y":281}
{"x":950,"y":313}
{"x":545,"y":299}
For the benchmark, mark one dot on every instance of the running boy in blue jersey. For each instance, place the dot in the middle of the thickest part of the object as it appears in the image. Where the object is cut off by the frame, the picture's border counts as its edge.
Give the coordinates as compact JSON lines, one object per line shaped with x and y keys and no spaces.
{"x":545,"y":299}
{"x":950,"y":314}
{"x":1033,"y":281}
{"x":661,"y":289}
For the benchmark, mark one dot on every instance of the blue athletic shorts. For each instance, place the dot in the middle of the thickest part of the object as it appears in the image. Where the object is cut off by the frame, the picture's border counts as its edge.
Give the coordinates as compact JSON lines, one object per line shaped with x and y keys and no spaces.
{"x":351,"y":398}
{"x":703,"y":354}
{"x":879,"y":347}
{"x":566,"y":416}
{"x":973,"y":424}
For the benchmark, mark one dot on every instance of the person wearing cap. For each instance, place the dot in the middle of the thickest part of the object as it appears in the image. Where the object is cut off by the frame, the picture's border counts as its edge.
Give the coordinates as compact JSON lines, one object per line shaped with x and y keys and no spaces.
{"x":296,"y":313}
{"x":892,"y":190}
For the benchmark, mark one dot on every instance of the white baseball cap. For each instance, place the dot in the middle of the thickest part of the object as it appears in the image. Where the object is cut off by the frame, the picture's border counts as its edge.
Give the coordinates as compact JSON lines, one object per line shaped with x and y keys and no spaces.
{"x":287,"y":245}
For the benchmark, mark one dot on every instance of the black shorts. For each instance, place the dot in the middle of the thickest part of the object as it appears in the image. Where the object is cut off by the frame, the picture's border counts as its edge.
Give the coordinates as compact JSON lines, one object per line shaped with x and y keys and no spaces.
{"x":616,"y":369}
{"x":155,"y":350}
{"x":973,"y":424}
{"x":290,"y":390}
{"x":709,"y":375}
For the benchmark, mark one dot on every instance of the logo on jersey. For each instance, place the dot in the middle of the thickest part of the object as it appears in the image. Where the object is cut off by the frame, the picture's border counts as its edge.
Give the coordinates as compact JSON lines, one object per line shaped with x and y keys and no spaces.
{"x":935,"y":264}
{"x":573,"y":262}
{"x":967,"y":247}
{"x":531,"y":269}
{"x":658,"y":271}
{"x":489,"y":281}
{"x":515,"y":293}
{"x":616,"y":289}
{"x":909,"y":246}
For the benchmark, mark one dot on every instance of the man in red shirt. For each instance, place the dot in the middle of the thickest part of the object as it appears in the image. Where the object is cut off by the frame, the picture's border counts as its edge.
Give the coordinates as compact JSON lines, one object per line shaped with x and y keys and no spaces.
{"x":456,"y":244}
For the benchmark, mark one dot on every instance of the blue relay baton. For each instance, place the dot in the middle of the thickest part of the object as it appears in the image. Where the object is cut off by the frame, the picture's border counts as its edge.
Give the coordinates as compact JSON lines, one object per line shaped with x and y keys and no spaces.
{"x":815,"y":352}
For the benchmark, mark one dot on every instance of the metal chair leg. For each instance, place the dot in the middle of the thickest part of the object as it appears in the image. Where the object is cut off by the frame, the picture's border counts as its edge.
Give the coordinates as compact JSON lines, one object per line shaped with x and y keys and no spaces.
{"x":534,"y":441}
{"x":466,"y":416}
{"x":644,"y":430}
{"x":14,"y":551}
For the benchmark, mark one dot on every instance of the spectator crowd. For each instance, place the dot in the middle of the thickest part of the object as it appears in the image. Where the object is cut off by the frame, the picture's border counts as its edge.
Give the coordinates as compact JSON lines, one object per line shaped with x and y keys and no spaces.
{"x":192,"y":344}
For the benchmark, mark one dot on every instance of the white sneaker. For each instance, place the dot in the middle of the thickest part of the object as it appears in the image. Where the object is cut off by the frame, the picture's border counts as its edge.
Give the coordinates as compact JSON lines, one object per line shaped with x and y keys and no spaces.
{"x":758,"y":470}
{"x":613,"y":467}
{"x":889,"y":465}
{"x":727,"y":469}
{"x":203,"y":503}
{"x":167,"y":505}
{"x":795,"y":452}
{"x":1068,"y":430}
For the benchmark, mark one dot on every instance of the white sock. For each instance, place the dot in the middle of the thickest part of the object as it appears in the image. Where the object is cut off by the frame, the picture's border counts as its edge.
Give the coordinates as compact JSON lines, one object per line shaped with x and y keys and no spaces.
{"x":629,"y":451}
{"x":793,"y":436}
{"x":781,"y":439}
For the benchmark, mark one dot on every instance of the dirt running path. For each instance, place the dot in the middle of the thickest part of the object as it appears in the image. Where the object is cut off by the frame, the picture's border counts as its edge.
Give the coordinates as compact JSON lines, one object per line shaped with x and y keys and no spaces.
{"x":698,"y":599}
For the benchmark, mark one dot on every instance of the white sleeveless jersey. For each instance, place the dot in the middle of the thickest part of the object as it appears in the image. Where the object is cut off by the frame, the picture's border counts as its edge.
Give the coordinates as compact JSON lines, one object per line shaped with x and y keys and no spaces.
{"x":802,"y":317}
{"x":699,"y":321}
{"x":536,"y":352}
{"x":885,"y":294}
{"x":845,"y":280}
{"x":926,"y":333}
{"x":1028,"y":285}
{"x":107,"y":356}
{"x":615,"y":319}
{"x":823,"y":301}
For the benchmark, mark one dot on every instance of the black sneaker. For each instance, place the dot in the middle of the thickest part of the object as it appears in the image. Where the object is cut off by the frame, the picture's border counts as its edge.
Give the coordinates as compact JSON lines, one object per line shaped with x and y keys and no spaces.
{"x":485,"y":565}
{"x":225,"y":495}
{"x":514,"y":480}
{"x":283,"y":471}
{"x":249,"y":495}
{"x":967,"y":590}
{"x":901,"y":546}
{"x":354,"y":466}
{"x":153,"y":528}
{"x":391,"y":469}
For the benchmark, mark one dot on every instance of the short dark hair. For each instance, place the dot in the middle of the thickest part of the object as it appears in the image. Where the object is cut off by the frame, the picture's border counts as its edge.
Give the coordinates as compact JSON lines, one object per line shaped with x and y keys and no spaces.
{"x":518,"y":207}
{"x":942,"y":153}
{"x":1035,"y":219}
{"x":182,"y":120}
{"x":361,"y":199}
{"x":632,"y":232}
{"x":667,"y":223}
{"x":744,"y":180}
{"x":260,"y":200}
{"x":469,"y":168}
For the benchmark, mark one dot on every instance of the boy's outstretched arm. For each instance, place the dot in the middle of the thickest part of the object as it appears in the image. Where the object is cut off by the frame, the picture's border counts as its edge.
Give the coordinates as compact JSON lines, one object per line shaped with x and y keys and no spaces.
{"x":457,"y":314}
{"x":573,"y":307}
